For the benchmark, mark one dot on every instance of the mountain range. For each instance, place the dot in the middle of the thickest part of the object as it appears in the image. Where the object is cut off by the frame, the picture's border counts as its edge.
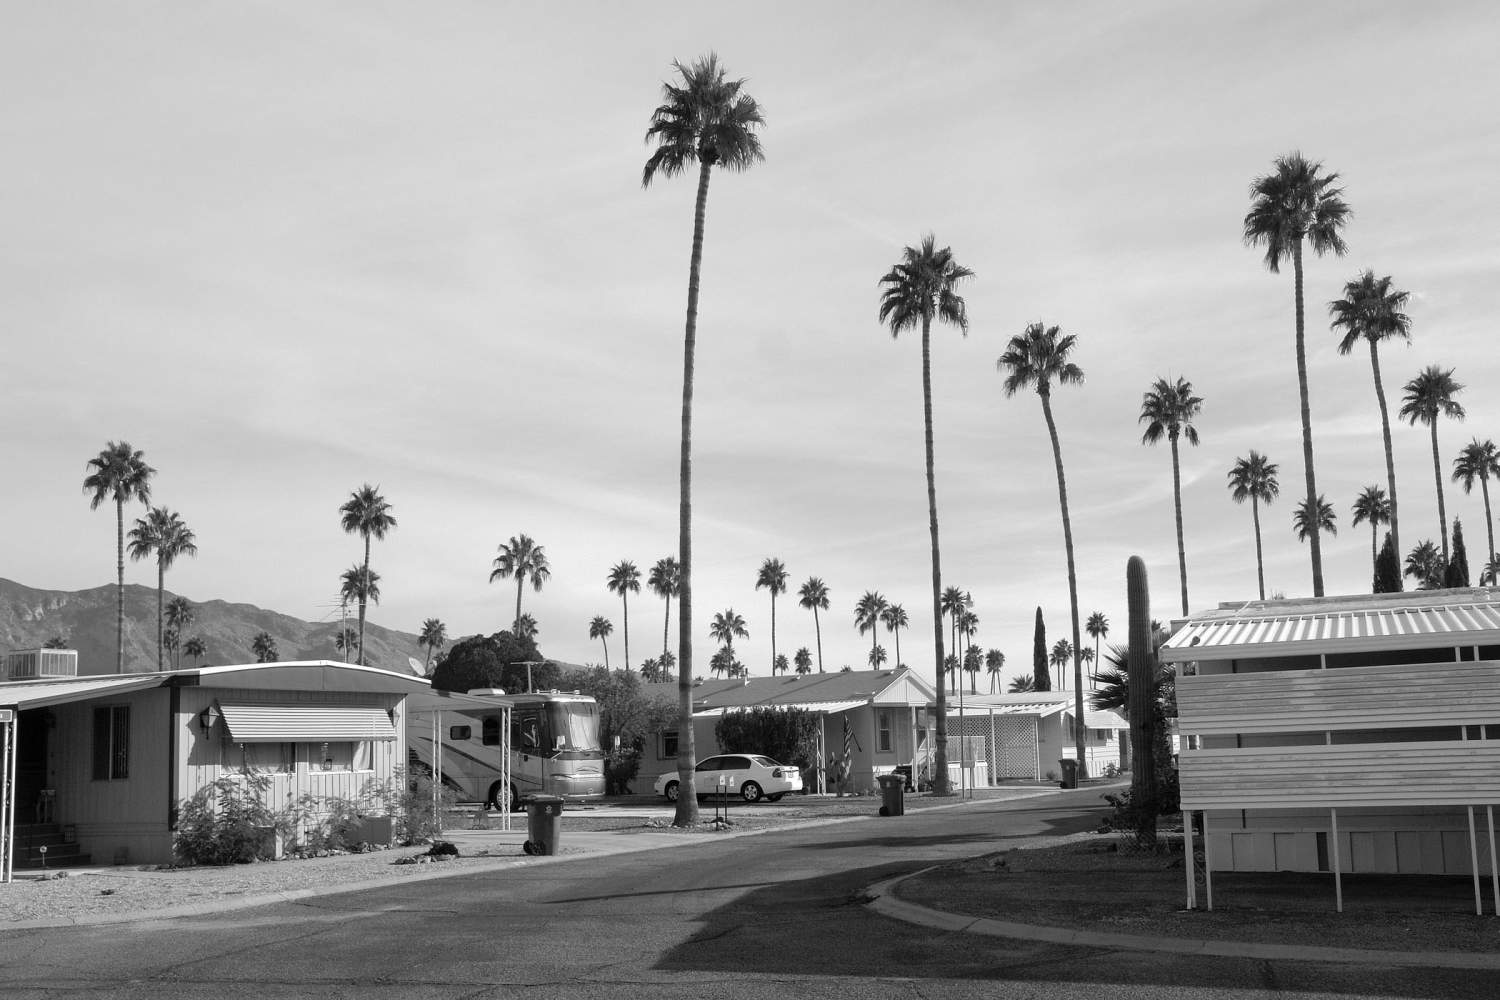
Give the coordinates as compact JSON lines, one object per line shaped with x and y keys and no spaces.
{"x":85,"y":620}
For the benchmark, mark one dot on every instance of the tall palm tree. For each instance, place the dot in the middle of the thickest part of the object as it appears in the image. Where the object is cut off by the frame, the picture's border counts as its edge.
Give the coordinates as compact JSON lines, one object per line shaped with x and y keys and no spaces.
{"x":813,"y":595}
{"x":1098,"y":628}
{"x":179,"y":616}
{"x":525,"y":627}
{"x":345,"y":640}
{"x":1088,"y":663}
{"x":803,"y":660}
{"x":434,"y":636}
{"x":772,"y":576}
{"x":600,"y":628}
{"x":195,"y":647}
{"x":1294,"y":203}
{"x":1429,"y":396}
{"x":366,"y":513}
{"x":1062,"y":652}
{"x":624,"y":579}
{"x":994,"y":662}
{"x":968,"y":625}
{"x":727,"y":626}
{"x":360,"y":585}
{"x":708,"y":120}
{"x":894,"y":618}
{"x":867,"y":613}
{"x":919,"y":289}
{"x":663,"y":582}
{"x":164,"y":534}
{"x":1372,"y":507}
{"x":1036,"y":359}
{"x":264,"y":648}
{"x":952,"y":605}
{"x":877,"y":657}
{"x":1479,"y":460}
{"x":1371,"y":310}
{"x":1168,"y":410}
{"x":1254,"y":479}
{"x":1426,"y":565}
{"x":524,"y":559}
{"x":119,"y":473}
{"x":1306,"y":528}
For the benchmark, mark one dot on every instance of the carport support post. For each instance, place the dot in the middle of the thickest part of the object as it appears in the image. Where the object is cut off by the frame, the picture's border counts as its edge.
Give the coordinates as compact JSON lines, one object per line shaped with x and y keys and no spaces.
{"x":1474,"y":866}
{"x":1187,"y":859}
{"x":1333,"y":853}
{"x":1489,"y":812}
{"x":1208,"y":865}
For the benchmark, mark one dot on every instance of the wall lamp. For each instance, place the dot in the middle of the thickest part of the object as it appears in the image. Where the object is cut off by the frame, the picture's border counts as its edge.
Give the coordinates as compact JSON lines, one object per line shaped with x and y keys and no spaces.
{"x":208,"y":717}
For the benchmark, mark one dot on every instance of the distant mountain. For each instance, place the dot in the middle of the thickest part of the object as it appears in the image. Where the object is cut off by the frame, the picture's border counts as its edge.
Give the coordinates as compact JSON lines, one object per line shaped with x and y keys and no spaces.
{"x":85,"y":619}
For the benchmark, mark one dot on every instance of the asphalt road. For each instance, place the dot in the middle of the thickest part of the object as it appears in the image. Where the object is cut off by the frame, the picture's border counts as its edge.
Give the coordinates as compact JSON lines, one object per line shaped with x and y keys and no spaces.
{"x":777,"y":915}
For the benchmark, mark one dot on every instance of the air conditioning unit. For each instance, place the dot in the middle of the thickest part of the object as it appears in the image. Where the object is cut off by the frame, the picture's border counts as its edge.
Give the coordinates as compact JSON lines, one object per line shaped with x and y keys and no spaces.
{"x":41,"y":664}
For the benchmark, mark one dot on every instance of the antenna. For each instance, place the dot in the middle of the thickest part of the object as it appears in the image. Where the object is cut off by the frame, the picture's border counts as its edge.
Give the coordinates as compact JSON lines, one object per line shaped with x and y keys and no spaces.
{"x":416,"y":666}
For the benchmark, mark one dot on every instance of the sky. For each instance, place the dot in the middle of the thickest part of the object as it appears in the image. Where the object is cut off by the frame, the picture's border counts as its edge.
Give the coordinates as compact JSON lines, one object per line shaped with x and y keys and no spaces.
{"x":288,"y":249}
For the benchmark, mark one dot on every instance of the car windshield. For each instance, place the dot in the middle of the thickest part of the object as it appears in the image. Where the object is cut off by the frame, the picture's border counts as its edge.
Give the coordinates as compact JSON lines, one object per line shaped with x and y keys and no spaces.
{"x":575,"y":724}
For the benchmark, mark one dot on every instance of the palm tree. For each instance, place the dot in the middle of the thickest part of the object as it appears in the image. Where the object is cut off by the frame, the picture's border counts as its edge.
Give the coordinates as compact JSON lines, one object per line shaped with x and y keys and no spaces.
{"x":706,"y":120}
{"x":525,"y":627}
{"x":366,"y":513}
{"x":772,"y":576}
{"x":726,"y":627}
{"x":264,"y":648}
{"x":179,"y":616}
{"x":164,"y":534}
{"x":877,"y":657}
{"x":1036,"y":359}
{"x":600,"y":628}
{"x":1429,"y":396}
{"x":196,"y":648}
{"x":360,"y":585}
{"x":994,"y":662}
{"x":803,"y":661}
{"x":813,"y":595}
{"x":1297,"y":201}
{"x":1426,"y":565}
{"x":1372,"y":310}
{"x":1303,"y":525}
{"x":780,"y":665}
{"x":867,"y":615}
{"x":119,"y":473}
{"x":663,"y":581}
{"x":434,"y":636}
{"x":952,"y":605}
{"x":1098,"y":628}
{"x":525,"y":560}
{"x":1254,"y":478}
{"x":1062,"y":652}
{"x":968,"y":624}
{"x":1088,"y":661}
{"x":1373,"y":508}
{"x":1479,"y":460}
{"x":1024,"y":684}
{"x":345,"y":640}
{"x":625,"y":579}
{"x":919,"y":289}
{"x":973,"y":663}
{"x":1491,"y":571}
{"x":1168,"y":409}
{"x":894,"y":619}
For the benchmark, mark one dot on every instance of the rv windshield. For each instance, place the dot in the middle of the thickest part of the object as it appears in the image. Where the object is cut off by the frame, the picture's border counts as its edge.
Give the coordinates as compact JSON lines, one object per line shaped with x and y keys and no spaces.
{"x":575,"y":725}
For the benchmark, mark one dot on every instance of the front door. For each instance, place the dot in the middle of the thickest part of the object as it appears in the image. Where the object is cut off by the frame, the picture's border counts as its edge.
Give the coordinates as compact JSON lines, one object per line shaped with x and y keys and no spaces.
{"x":31,"y":762}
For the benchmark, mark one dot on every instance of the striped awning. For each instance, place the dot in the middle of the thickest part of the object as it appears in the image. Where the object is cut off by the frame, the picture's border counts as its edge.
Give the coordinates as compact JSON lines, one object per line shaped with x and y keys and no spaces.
{"x":305,"y":723}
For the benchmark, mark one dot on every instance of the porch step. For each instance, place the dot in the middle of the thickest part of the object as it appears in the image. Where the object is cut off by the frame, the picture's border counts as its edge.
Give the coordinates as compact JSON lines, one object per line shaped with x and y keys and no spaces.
{"x":61,"y":853}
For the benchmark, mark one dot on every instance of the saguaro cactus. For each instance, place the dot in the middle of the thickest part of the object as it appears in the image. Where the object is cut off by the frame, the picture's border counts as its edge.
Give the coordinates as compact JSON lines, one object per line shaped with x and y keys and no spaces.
{"x":1142,"y":701}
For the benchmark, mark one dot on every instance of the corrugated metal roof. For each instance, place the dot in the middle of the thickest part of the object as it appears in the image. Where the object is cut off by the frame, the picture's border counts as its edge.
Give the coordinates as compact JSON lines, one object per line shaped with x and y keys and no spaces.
{"x":1383,"y":624}
{"x":305,"y":723}
{"x":803,"y":690}
{"x":829,"y":707}
{"x":40,"y":694}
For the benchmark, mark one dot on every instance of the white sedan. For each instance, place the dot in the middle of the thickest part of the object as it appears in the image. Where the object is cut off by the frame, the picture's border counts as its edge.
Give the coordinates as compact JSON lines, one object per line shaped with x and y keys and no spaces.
{"x":750,"y":776}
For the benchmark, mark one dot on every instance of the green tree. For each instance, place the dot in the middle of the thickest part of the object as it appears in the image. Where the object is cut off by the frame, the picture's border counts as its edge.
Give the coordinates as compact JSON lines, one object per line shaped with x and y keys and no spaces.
{"x":1036,"y":359}
{"x":994,"y":662}
{"x":1456,"y":574}
{"x":1479,"y":460}
{"x":780,"y":665}
{"x":628,"y":714}
{"x":973,"y":663}
{"x":772,"y":577}
{"x":1098,"y":628}
{"x":264,"y":648}
{"x":1042,"y":680}
{"x":1387,"y":569}
{"x":706,"y":120}
{"x":1429,"y":396}
{"x":814,"y":597}
{"x":1168,"y":410}
{"x":1294,"y":203}
{"x":195,"y":647}
{"x":1254,"y":479}
{"x":119,"y":473}
{"x":625,"y":579}
{"x":867,"y":611}
{"x":727,"y":626}
{"x":164,"y":534}
{"x":1426,"y":565}
{"x":56,"y":642}
{"x":1024,"y":684}
{"x":600,"y":628}
{"x":366,"y":513}
{"x":360,"y":585}
{"x":1371,"y":507}
{"x":434,"y":636}
{"x":1305,"y":527}
{"x":803,"y":661}
{"x":1062,"y":652}
{"x":877,"y":657}
{"x":968,"y":625}
{"x":952,"y":604}
{"x":663,"y":581}
{"x":524,"y":560}
{"x":503,"y":660}
{"x":894,"y":618}
{"x":525,"y":627}
{"x":1371,"y":310}
{"x":921,"y":288}
{"x":180,"y":615}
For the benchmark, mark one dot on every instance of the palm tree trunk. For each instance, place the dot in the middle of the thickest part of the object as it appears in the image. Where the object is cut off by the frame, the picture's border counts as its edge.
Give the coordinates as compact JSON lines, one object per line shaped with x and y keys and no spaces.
{"x":1437,"y":473}
{"x":1260,"y":566}
{"x":1177,"y":504}
{"x":1374,"y":547}
{"x":1390,"y":461}
{"x":364,"y":594}
{"x":773,"y":633}
{"x":161,"y":583}
{"x":120,"y":585}
{"x":1307,"y":449}
{"x":1062,"y":499}
{"x":1489,"y":524}
{"x":666,"y":626}
{"x":605,"y":643}
{"x":687,"y":802}
{"x":520,"y":579}
{"x":896,"y":634}
{"x":940,"y":785}
{"x":818,"y":628}
{"x":625,"y":603}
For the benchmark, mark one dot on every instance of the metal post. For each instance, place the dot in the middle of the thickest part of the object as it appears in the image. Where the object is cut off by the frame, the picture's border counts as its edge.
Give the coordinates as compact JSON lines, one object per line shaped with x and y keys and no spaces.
{"x":1474,"y":866}
{"x":1208,"y":865}
{"x":1187,"y":859}
{"x":505,"y":751}
{"x":9,"y":721}
{"x":1489,"y":812}
{"x":1333,"y":852}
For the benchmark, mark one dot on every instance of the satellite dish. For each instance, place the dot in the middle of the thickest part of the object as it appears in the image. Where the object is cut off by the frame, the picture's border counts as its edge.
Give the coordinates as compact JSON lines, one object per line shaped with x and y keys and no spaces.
{"x":416,"y":666}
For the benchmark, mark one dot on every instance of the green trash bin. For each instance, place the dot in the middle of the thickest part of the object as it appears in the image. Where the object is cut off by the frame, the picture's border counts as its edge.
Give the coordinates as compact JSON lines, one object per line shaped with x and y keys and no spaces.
{"x":543,"y":824}
{"x":892,"y":794}
{"x":1069,"y":773}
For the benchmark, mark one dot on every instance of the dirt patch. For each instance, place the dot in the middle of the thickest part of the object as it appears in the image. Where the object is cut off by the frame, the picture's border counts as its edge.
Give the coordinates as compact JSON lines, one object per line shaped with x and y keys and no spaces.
{"x":1100,"y":882}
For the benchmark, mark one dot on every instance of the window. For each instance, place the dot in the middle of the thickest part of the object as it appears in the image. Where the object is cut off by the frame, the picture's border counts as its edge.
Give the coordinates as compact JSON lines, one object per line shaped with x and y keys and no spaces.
{"x":340,"y":756}
{"x":267,"y":758}
{"x":460,"y":733}
{"x":491,"y":732}
{"x":883,"y":730}
{"x":668,"y":745}
{"x":112,"y":743}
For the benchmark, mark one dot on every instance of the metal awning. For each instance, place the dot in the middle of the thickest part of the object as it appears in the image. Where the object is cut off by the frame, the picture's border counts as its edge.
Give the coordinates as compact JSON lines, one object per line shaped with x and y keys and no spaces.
{"x":23,"y":695}
{"x":305,"y":723}
{"x":826,"y":707}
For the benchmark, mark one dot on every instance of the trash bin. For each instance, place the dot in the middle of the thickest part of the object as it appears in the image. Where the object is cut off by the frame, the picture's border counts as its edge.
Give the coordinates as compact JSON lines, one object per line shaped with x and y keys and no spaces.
{"x":892,"y":794}
{"x":1069,"y":773}
{"x":543,"y":824}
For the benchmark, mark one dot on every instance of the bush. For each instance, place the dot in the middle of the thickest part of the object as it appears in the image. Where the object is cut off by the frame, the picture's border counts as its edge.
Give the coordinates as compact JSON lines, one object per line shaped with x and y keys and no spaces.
{"x":621,"y":766}
{"x":786,"y":735}
{"x":226,"y":823}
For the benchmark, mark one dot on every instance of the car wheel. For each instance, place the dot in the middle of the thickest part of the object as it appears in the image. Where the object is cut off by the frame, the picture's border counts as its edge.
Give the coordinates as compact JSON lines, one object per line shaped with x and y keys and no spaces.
{"x":750,"y":792}
{"x":515,"y":799}
{"x":775,"y":798}
{"x":670,"y":792}
{"x":492,"y":799}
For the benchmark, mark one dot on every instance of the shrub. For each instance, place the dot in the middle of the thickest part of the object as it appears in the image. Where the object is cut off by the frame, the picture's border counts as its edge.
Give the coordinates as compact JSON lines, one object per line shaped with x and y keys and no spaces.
{"x":786,"y":735}
{"x":226,"y":823}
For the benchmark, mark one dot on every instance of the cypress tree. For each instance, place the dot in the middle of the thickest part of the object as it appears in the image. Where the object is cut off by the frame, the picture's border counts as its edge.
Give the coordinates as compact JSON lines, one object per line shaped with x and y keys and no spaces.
{"x":1387,"y":569}
{"x":1457,"y":573}
{"x":1039,"y":655}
